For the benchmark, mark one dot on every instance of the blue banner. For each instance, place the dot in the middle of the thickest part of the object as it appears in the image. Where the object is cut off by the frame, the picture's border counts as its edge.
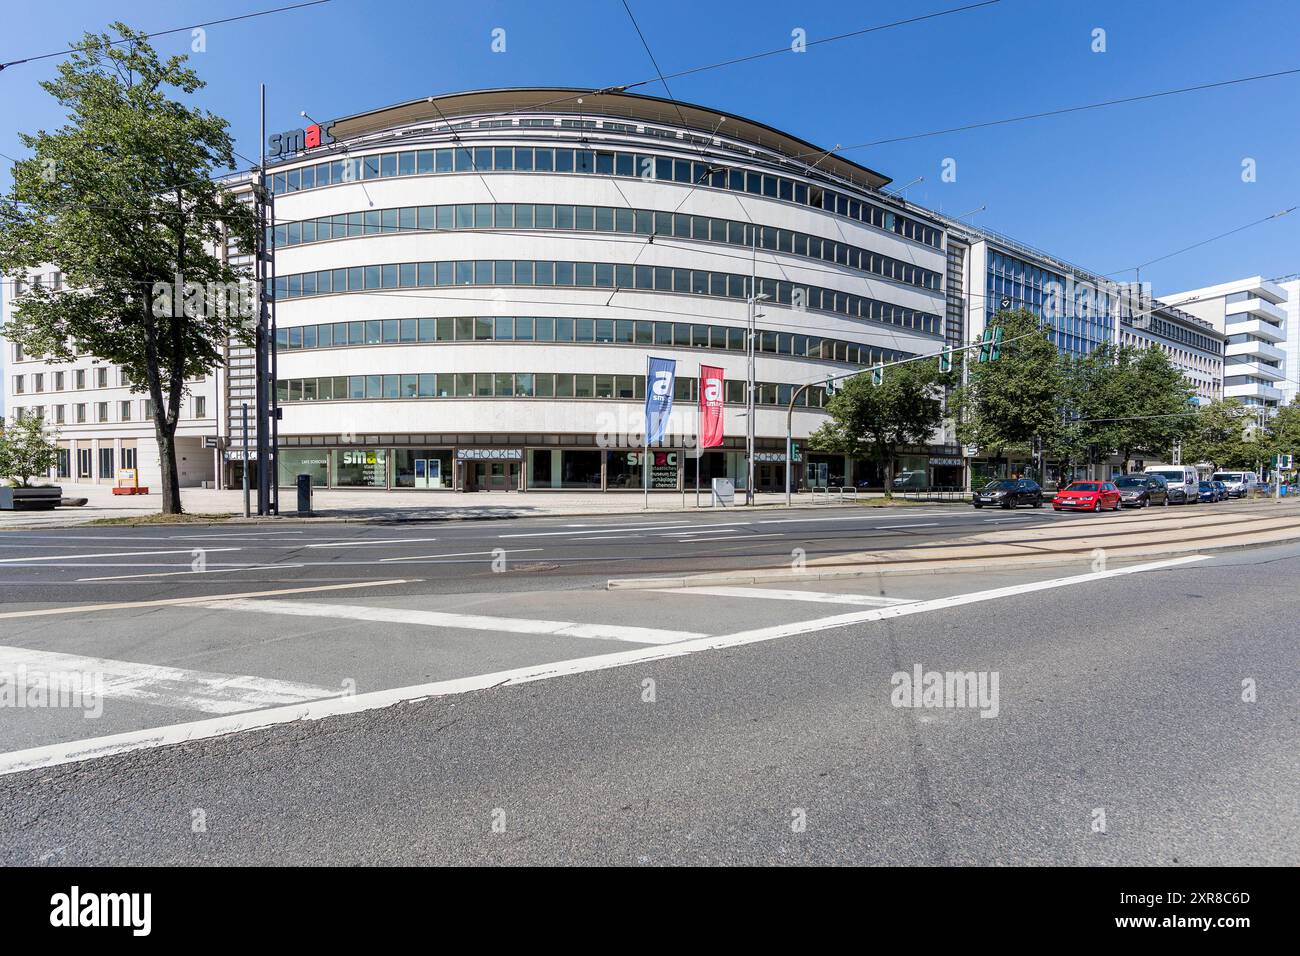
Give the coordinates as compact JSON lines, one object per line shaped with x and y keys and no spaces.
{"x":660,"y":380}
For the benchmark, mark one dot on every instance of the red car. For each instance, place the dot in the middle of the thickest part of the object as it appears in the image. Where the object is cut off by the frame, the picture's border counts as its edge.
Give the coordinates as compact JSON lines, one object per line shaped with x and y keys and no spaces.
{"x":1087,"y":496}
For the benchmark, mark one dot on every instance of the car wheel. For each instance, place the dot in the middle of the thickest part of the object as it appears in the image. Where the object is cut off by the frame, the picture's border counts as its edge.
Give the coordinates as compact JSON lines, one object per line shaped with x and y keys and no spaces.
{"x":978,"y":505}
{"x":1006,"y":505}
{"x":1166,"y":501}
{"x":1096,"y":506}
{"x":1038,"y":504}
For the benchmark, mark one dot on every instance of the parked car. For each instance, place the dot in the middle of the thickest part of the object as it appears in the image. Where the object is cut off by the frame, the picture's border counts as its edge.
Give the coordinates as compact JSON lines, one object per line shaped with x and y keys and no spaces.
{"x":1087,"y":496}
{"x":1184,"y":484}
{"x":1207,"y":492}
{"x":1009,"y":493}
{"x":1221,"y":489}
{"x":1142,"y":491}
{"x":1240,"y":484}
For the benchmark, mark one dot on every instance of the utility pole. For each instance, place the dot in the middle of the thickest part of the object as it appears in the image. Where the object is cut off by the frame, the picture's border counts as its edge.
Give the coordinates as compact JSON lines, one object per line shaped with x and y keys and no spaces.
{"x":244,"y":406}
{"x":261,"y":351}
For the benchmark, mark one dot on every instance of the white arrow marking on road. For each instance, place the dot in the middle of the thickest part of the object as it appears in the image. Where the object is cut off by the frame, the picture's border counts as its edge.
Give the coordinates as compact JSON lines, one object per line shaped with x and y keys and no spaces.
{"x":154,"y":684}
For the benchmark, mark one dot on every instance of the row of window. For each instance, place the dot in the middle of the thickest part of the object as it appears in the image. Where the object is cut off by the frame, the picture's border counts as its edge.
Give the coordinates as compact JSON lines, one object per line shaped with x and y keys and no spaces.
{"x":645,"y":222}
{"x":103,"y":411}
{"x":521,"y":385}
{"x":1178,"y":333}
{"x":505,"y":328}
{"x":600,"y":275}
{"x":529,"y":159}
{"x":58,"y":381}
{"x":63,"y":466}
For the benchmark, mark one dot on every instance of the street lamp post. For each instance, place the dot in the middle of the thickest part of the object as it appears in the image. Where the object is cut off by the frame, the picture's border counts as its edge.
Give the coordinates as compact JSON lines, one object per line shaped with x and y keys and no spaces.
{"x":749,"y":396}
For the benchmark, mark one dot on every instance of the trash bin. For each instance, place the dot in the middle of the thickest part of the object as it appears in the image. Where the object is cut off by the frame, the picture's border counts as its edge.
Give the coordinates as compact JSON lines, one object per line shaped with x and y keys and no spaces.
{"x":304,"y":496}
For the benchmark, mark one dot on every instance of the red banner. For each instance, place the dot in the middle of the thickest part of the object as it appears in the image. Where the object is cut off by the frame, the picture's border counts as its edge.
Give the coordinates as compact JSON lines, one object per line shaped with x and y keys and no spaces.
{"x":710,"y":406}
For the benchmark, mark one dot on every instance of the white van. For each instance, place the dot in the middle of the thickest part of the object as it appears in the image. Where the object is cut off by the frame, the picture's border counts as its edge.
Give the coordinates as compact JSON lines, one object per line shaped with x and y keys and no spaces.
{"x":1184,"y":483}
{"x":1240,"y":484}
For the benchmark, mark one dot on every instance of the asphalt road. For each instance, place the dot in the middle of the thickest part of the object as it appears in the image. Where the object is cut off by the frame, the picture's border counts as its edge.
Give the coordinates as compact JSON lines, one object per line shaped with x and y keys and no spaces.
{"x":116,"y":562}
{"x":750,"y":726}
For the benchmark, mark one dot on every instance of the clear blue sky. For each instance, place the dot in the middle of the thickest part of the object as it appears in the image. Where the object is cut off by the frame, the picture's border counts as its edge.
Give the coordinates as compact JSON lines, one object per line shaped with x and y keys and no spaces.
{"x":1107,"y":189}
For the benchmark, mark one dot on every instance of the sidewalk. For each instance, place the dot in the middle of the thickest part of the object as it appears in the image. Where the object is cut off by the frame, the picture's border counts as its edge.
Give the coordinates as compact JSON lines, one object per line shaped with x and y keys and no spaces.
{"x":338,"y":505}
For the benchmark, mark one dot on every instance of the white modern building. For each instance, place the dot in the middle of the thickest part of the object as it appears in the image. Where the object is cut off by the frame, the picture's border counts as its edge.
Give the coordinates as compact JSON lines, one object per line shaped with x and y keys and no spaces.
{"x":468,"y":288}
{"x":1290,"y":386}
{"x":1251,"y":314}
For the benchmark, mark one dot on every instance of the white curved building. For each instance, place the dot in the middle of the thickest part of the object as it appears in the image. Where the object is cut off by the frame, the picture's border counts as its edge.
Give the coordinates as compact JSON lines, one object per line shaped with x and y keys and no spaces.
{"x":468,"y":288}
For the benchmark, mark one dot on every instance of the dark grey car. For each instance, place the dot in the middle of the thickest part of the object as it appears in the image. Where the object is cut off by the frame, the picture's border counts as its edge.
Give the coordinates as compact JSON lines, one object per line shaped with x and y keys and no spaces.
{"x":1009,"y":493}
{"x":1141,"y":491}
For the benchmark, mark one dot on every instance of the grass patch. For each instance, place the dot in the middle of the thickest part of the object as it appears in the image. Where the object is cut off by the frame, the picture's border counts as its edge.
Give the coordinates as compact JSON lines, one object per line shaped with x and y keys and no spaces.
{"x":186,"y":518}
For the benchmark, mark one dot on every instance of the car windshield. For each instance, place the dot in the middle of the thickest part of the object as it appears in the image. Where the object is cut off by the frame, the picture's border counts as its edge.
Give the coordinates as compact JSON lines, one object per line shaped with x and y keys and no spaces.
{"x":1130,"y":481}
{"x":1084,"y":486}
{"x":1003,"y":485}
{"x":1228,"y":476}
{"x":1169,"y":475}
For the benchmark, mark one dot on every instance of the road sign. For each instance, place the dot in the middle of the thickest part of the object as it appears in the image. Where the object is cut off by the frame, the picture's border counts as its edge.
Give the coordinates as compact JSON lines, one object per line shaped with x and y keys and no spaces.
{"x":1004,"y":302}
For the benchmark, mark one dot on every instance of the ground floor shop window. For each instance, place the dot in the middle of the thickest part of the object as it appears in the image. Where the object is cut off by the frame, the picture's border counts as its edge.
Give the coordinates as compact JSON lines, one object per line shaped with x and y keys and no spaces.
{"x":622,"y":469}
{"x":422,"y":468}
{"x":580,"y":469}
{"x":826,"y":471}
{"x":106,"y":463}
{"x":360,"y":468}
{"x":314,"y":462}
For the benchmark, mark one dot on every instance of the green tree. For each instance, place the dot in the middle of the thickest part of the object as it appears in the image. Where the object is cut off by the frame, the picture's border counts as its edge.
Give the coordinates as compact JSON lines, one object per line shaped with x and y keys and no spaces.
{"x":1007,"y":403}
{"x":1282,"y":432}
{"x":875,"y":421}
{"x":1130,"y":400}
{"x":26,"y":451}
{"x":1218,"y":436}
{"x":122,"y":201}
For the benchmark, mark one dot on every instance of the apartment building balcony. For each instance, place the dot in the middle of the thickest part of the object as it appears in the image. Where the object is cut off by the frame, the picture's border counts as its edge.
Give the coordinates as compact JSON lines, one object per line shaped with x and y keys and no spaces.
{"x":1260,"y":308}
{"x":1256,"y":390}
{"x":1256,"y":327}
{"x":1255,"y":370}
{"x":1254,"y":349}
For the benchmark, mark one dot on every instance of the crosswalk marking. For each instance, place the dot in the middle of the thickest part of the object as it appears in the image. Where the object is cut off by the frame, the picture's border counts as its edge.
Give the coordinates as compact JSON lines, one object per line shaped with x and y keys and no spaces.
{"x":471,"y":622}
{"x":156,"y":684}
{"x":779,"y":594}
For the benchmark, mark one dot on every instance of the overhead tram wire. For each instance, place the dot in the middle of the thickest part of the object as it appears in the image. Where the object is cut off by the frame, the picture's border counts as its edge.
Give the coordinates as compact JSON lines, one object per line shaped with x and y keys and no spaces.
{"x":1066,"y":110}
{"x":1204,"y":242}
{"x":160,"y":33}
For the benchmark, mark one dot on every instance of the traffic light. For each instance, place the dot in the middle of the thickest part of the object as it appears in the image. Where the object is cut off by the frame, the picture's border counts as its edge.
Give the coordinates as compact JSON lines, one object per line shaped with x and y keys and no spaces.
{"x":991,"y":344}
{"x":830,"y":385}
{"x":877,"y":375}
{"x":945,"y":360}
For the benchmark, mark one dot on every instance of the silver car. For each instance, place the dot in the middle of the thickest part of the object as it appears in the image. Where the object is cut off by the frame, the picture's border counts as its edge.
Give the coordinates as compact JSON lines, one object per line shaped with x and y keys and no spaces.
{"x":1240,"y":484}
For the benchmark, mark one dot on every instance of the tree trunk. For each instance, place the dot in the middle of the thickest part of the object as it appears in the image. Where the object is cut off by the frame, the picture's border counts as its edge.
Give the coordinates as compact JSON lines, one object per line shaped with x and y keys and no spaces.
{"x":889,"y":476}
{"x":171,"y":484}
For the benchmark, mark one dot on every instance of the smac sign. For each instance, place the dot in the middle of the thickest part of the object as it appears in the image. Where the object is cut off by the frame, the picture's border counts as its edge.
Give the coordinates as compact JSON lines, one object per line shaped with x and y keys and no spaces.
{"x":296,"y":140}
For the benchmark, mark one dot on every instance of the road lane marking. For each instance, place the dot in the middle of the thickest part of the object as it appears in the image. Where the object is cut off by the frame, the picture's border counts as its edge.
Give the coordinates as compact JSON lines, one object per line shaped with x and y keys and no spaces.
{"x":363,"y":542}
{"x":456,"y":554}
{"x":856,"y":517}
{"x":445,"y":619}
{"x":170,"y":574}
{"x":198,"y":599}
{"x":156,"y":684}
{"x":79,"y":750}
{"x":115,"y":554}
{"x":893,"y":527}
{"x":732,"y":537}
{"x":658,"y":527}
{"x":779,"y":594}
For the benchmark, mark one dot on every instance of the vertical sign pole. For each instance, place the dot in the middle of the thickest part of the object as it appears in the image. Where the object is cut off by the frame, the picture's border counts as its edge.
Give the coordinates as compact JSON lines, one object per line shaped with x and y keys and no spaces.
{"x":245,"y":468}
